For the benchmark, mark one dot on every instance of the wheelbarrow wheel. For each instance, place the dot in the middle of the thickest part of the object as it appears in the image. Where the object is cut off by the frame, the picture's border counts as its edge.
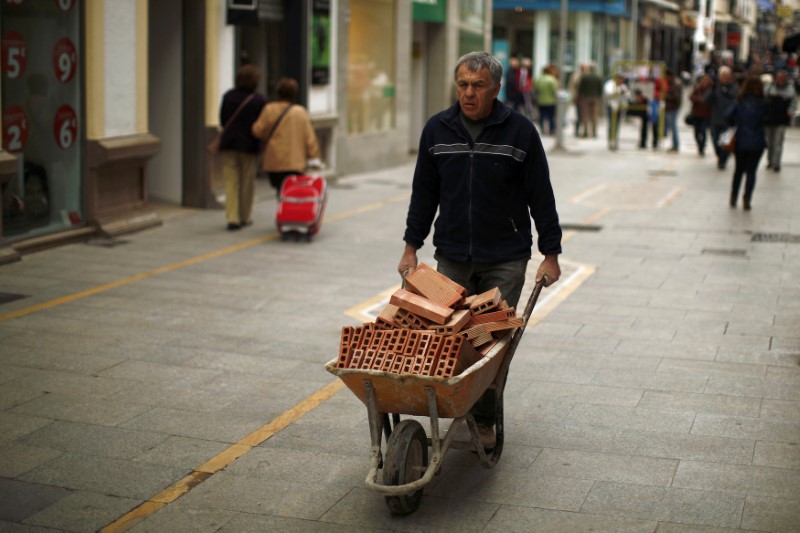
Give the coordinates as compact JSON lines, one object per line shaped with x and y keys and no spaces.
{"x":405,"y":462}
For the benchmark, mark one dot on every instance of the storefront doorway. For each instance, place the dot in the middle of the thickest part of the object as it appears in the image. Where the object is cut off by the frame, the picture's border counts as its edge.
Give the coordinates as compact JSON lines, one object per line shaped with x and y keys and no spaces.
{"x":42,"y":120}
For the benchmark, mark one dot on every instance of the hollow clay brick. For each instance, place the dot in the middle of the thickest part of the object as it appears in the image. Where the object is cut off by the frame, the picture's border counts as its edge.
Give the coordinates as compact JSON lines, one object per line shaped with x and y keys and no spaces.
{"x":510,"y":323}
{"x":419,"y":305}
{"x":388,"y":361}
{"x":434,"y":286}
{"x":457,"y":321}
{"x":355,"y":360}
{"x":468,"y":356}
{"x":398,"y":363}
{"x":493,"y":316}
{"x":485,"y":301}
{"x":481,"y":339}
{"x":409,"y":320}
{"x":377,"y":361}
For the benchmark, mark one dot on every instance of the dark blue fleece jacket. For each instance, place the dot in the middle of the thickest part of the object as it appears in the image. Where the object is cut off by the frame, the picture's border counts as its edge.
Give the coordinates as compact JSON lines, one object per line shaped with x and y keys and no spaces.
{"x":485,"y":191}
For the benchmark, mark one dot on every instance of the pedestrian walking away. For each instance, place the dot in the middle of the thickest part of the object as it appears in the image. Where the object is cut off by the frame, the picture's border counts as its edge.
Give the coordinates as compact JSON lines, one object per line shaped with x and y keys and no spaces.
{"x":289,"y":139}
{"x":590,"y":91}
{"x":781,"y":106}
{"x":672,"y":105}
{"x":546,"y":96}
{"x":747,"y":114}
{"x":238,"y":147}
{"x":616,"y":95}
{"x":701,"y":112}
{"x":720,"y":97}
{"x":484,"y":170}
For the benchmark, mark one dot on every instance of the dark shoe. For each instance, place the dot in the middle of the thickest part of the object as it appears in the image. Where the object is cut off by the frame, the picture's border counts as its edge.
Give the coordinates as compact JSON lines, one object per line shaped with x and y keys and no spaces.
{"x":233,"y":226}
{"x":733,"y":200}
{"x":721,"y":166}
{"x":777,"y":169}
{"x":746,"y":203}
{"x":488,"y":440}
{"x":673,"y":150}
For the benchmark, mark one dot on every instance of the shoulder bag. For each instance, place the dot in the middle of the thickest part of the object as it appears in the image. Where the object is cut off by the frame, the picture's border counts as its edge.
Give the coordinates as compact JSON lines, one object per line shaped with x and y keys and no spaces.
{"x":213,"y":146}
{"x":274,"y":127}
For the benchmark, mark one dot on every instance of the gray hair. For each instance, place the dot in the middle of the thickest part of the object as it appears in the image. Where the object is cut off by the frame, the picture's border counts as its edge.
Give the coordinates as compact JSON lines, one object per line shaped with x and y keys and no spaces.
{"x":474,"y":61}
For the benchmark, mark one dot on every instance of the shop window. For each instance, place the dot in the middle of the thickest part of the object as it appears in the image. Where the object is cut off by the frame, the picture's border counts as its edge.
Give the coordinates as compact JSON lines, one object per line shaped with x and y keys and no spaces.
{"x":42,"y":112}
{"x":371,"y":66}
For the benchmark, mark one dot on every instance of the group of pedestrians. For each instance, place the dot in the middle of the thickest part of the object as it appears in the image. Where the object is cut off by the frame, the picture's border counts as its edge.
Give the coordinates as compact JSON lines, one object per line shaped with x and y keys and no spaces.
{"x":280,"y":133}
{"x":534,"y":97}
{"x":759,"y":110}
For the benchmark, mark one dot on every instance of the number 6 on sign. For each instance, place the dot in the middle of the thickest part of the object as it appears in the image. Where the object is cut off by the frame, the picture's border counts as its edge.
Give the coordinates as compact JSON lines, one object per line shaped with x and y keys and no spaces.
{"x":65,"y":126}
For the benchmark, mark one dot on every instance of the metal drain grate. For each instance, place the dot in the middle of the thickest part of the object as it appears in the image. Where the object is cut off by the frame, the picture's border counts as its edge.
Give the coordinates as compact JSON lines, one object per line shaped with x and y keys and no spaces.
{"x":729,"y":252}
{"x":106,"y":243}
{"x":775,"y":237}
{"x":581,"y":227}
{"x":8,"y":297}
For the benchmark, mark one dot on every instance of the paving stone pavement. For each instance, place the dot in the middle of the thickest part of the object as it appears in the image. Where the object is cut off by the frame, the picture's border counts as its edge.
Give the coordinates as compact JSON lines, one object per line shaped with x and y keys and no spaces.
{"x":657,"y":391}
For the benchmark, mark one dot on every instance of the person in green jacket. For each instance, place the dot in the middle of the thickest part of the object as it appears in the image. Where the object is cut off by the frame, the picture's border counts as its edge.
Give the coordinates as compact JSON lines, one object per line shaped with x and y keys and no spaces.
{"x":546,"y":97}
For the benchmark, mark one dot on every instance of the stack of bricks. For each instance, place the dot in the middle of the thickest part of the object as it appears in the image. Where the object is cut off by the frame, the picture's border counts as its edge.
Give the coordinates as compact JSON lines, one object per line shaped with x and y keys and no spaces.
{"x":429,"y":328}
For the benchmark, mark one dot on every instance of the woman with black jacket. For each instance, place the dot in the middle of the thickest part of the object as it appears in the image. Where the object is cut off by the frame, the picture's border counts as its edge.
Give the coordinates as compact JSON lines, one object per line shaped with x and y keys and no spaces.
{"x":747,"y":114}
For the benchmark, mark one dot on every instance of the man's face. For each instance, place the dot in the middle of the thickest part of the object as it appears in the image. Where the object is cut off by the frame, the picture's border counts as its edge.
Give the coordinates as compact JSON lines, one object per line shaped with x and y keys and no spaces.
{"x":725,"y":77}
{"x":475,"y":92}
{"x":780,"y":78}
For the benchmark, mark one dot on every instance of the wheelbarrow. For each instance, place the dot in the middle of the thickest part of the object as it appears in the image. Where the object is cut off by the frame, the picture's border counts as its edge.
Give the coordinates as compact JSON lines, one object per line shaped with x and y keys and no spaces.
{"x":406,"y":466}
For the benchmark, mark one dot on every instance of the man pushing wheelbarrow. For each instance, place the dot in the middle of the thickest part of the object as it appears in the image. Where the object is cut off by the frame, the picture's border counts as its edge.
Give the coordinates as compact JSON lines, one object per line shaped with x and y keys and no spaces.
{"x":443,"y":345}
{"x":483,"y":166}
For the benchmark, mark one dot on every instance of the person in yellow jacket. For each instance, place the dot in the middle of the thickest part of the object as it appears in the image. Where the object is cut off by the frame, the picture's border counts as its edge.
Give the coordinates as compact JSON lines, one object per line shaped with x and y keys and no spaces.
{"x":285,"y":128}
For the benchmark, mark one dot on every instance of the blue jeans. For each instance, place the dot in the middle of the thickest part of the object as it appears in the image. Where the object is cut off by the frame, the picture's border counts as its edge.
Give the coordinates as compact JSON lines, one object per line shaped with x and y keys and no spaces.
{"x":509,"y":277}
{"x":671,"y":124}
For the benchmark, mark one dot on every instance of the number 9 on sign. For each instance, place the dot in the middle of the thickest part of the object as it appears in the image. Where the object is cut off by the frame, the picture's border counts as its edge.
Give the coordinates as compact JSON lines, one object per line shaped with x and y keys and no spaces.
{"x":65,"y":127}
{"x":65,"y":59}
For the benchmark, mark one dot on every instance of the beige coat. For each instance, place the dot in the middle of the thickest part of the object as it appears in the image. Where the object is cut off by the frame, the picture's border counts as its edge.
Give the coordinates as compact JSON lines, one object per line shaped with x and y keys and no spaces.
{"x":293,"y":142}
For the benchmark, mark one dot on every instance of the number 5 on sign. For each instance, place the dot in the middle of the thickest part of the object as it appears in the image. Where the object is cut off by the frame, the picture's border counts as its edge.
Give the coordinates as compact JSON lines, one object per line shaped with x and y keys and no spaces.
{"x":65,"y":126}
{"x":14,"y":55}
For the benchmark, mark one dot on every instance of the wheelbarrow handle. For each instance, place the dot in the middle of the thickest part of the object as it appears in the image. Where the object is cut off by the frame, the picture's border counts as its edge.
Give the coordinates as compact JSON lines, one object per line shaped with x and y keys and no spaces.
{"x":512,"y":345}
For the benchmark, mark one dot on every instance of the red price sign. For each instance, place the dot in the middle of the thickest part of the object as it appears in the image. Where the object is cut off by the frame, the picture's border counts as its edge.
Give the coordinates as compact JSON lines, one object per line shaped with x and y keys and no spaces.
{"x":65,"y":126}
{"x":15,"y":54}
{"x":65,"y":5}
{"x":65,"y":60}
{"x":15,"y":128}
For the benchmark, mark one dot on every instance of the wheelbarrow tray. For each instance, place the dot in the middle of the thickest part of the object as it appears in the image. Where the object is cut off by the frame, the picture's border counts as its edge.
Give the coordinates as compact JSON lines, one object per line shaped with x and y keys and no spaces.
{"x":405,"y":393}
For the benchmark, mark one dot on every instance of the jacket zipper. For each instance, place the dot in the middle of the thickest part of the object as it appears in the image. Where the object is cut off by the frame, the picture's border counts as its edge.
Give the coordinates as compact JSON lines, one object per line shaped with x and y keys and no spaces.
{"x":469,"y":213}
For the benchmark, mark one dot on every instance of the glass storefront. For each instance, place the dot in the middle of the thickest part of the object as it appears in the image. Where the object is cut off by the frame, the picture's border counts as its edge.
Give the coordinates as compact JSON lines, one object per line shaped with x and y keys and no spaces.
{"x":42,"y":112}
{"x":371,"y":65}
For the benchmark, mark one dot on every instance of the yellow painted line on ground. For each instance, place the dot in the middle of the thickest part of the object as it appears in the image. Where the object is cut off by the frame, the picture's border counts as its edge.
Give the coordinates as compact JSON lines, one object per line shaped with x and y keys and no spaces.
{"x":182,"y":264}
{"x":223,"y":459}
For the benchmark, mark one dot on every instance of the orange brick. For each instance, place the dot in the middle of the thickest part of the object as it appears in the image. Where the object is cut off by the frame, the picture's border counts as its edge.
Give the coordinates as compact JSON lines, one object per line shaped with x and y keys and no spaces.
{"x":493,"y":316}
{"x":355,"y":360}
{"x":397,"y":364}
{"x":409,"y":320}
{"x":485,"y":301}
{"x":435,"y":286}
{"x":457,"y":321}
{"x":421,"y":306}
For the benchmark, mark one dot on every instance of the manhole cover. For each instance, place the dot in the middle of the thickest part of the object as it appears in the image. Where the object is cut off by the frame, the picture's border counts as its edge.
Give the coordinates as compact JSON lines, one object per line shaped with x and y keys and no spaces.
{"x":775,"y":237}
{"x":8,"y":297}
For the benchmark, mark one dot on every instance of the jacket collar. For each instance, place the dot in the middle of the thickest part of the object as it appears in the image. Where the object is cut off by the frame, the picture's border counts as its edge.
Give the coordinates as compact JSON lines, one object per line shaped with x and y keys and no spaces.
{"x":499,"y":113}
